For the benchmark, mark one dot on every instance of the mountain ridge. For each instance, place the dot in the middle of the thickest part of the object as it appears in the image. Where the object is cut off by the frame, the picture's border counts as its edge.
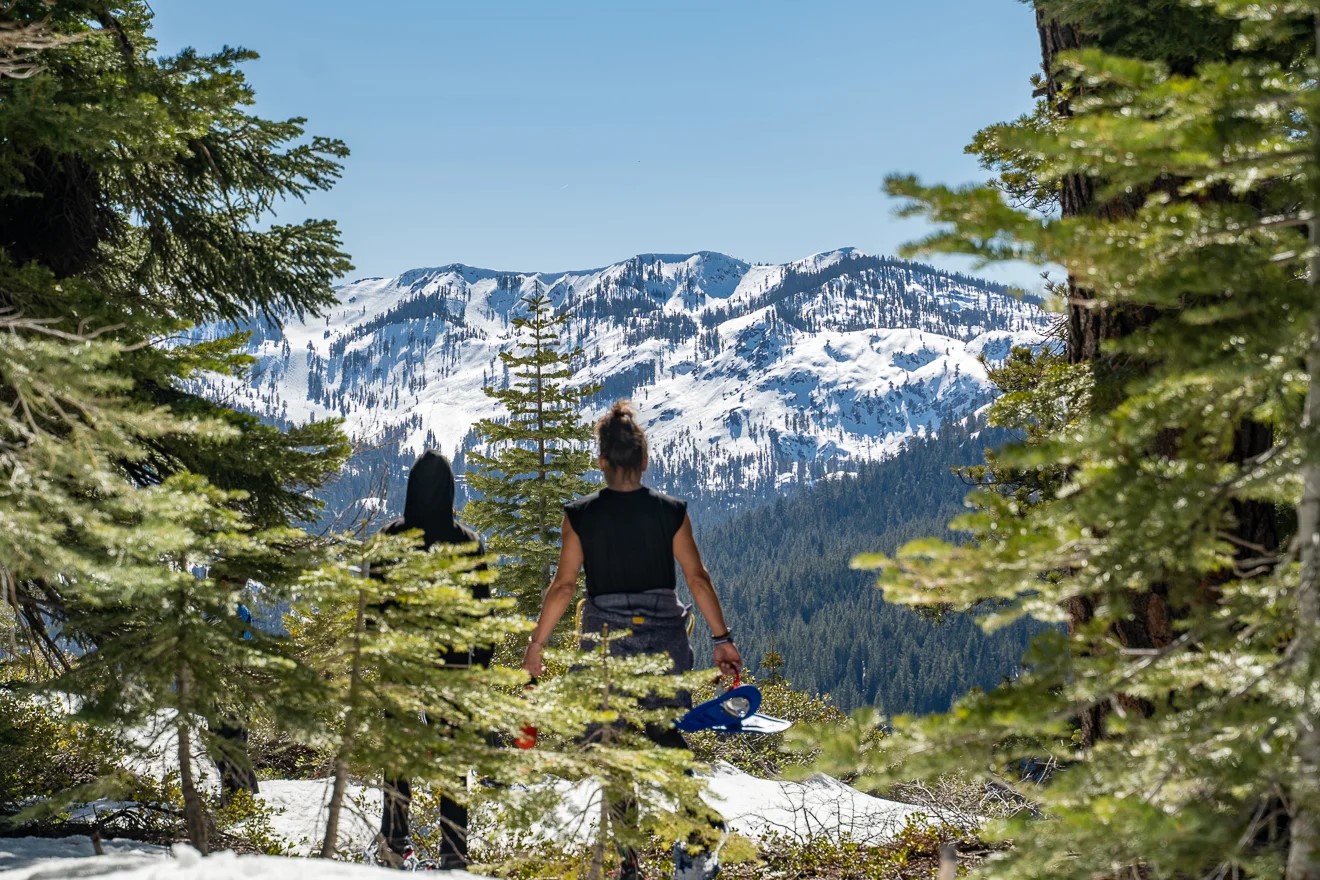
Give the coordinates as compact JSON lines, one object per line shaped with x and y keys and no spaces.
{"x":749,"y":377}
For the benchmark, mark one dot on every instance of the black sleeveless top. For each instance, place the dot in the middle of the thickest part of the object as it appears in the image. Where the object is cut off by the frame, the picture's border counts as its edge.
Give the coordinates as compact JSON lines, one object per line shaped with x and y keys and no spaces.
{"x":627,"y":539}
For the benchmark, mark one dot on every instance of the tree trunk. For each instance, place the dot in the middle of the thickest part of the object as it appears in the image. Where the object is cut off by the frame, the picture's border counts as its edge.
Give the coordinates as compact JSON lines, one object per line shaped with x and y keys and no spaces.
{"x":1087,"y":325}
{"x":1076,"y":194}
{"x":331,"y":842}
{"x":194,"y":811}
{"x":606,"y":831}
{"x":596,"y":871}
{"x":1304,"y":794}
{"x":1090,"y":326}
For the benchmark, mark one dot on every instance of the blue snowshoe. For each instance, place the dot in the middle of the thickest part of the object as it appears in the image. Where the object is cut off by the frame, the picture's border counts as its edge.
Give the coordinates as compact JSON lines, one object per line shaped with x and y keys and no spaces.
{"x":734,"y":711}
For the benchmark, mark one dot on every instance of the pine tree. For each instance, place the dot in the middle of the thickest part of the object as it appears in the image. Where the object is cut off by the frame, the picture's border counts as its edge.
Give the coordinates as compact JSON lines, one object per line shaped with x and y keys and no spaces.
{"x":175,"y":643}
{"x":538,"y":456}
{"x":389,"y":702}
{"x":1180,"y":701}
{"x":136,"y":194}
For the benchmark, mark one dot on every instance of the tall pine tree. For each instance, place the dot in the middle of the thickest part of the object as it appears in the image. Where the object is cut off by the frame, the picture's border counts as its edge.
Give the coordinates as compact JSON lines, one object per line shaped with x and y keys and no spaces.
{"x":537,"y":455}
{"x":1179,"y":706}
{"x":137,"y":199}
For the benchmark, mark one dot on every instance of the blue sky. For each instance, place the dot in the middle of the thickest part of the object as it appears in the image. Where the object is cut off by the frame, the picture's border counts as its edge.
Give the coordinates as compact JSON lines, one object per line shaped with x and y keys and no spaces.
{"x":564,"y":134}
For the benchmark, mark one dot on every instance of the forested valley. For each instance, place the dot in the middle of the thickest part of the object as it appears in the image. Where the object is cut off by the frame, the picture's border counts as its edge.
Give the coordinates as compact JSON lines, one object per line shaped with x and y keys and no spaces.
{"x":783,"y":570}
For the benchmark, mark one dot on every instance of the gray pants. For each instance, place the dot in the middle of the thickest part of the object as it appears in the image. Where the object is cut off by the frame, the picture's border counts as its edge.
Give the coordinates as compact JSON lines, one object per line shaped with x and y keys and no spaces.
{"x":656,"y":619}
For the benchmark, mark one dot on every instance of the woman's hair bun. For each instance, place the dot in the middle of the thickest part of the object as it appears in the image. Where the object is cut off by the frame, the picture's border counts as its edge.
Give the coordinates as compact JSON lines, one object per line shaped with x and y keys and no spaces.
{"x":622,"y":440}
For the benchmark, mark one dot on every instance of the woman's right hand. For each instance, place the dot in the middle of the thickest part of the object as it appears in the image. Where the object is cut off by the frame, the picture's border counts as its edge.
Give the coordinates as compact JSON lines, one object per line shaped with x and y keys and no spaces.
{"x":532,"y":663}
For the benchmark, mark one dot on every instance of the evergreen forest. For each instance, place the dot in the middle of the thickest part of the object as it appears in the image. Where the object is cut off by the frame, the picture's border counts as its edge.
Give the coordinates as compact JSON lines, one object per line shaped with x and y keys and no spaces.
{"x":784,"y":577}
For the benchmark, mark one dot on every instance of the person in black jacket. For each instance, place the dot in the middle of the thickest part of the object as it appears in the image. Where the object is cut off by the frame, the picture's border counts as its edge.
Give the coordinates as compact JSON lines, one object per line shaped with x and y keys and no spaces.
{"x":429,"y":507}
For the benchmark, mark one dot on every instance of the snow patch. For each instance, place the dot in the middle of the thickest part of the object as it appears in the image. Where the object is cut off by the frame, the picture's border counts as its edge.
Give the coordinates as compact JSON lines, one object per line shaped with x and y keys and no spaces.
{"x":753,"y":807}
{"x":186,"y":864}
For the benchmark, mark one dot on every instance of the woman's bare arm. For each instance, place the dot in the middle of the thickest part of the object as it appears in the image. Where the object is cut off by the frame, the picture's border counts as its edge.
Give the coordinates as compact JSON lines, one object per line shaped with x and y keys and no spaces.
{"x":727,"y":656}
{"x":557,"y":597}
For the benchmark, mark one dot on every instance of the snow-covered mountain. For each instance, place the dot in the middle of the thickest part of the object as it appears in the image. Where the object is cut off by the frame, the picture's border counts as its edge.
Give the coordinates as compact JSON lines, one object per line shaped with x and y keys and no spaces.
{"x":747,"y":376}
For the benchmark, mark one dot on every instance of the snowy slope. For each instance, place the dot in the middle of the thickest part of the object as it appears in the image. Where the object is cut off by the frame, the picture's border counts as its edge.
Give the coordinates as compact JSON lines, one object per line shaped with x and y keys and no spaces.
{"x":753,"y":807}
{"x":187,"y":864}
{"x":756,"y":808}
{"x":746,"y":376}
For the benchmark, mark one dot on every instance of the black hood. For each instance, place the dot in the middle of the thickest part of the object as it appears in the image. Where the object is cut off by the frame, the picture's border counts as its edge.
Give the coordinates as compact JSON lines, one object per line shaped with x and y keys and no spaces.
{"x":429,"y":505}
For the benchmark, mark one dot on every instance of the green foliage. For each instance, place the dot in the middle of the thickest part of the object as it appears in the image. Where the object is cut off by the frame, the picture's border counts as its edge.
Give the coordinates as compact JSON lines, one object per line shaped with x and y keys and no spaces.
{"x":913,"y":854}
{"x":174,"y":641}
{"x":122,"y":804}
{"x":536,"y":455}
{"x":591,"y":721}
{"x":1041,"y":395}
{"x":1017,"y":169}
{"x":387,"y":699}
{"x":67,"y":765}
{"x":176,"y":175}
{"x":1176,"y":707}
{"x":44,"y":754}
{"x":958,"y":801}
{"x":244,"y":825}
{"x":137,"y":197}
{"x":282,"y":754}
{"x":511,"y":856}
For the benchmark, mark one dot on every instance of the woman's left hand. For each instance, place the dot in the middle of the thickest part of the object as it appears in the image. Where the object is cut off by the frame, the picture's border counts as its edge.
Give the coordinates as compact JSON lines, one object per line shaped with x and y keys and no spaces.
{"x":728,"y":659}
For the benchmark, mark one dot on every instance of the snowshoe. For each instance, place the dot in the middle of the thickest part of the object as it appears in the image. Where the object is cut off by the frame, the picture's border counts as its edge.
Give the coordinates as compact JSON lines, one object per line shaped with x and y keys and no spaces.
{"x":734,"y":711}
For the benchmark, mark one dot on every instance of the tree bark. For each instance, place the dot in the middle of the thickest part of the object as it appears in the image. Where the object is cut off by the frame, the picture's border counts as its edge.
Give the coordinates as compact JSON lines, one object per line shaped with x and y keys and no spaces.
{"x":596,"y":870}
{"x":1088,"y":325}
{"x":1076,"y":194}
{"x":1304,"y":807}
{"x":331,"y":841}
{"x":1091,"y":324}
{"x":1304,"y":794}
{"x":194,"y":811}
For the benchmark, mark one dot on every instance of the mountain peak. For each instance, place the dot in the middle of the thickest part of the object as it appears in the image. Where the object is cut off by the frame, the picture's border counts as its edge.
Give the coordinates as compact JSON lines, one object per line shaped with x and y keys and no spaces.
{"x":746,"y":376}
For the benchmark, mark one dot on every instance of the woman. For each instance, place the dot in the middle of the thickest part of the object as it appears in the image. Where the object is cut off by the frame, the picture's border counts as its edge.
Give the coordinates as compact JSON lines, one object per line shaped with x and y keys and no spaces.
{"x":628,"y":537}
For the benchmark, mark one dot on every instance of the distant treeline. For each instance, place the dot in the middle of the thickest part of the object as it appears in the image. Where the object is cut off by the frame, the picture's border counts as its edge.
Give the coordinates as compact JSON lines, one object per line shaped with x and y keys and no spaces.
{"x":782,"y":572}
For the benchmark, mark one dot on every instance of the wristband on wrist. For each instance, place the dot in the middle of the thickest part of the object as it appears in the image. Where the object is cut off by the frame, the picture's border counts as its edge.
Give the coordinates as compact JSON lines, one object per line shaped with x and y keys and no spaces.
{"x":724,"y":639}
{"x":531,"y":642}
